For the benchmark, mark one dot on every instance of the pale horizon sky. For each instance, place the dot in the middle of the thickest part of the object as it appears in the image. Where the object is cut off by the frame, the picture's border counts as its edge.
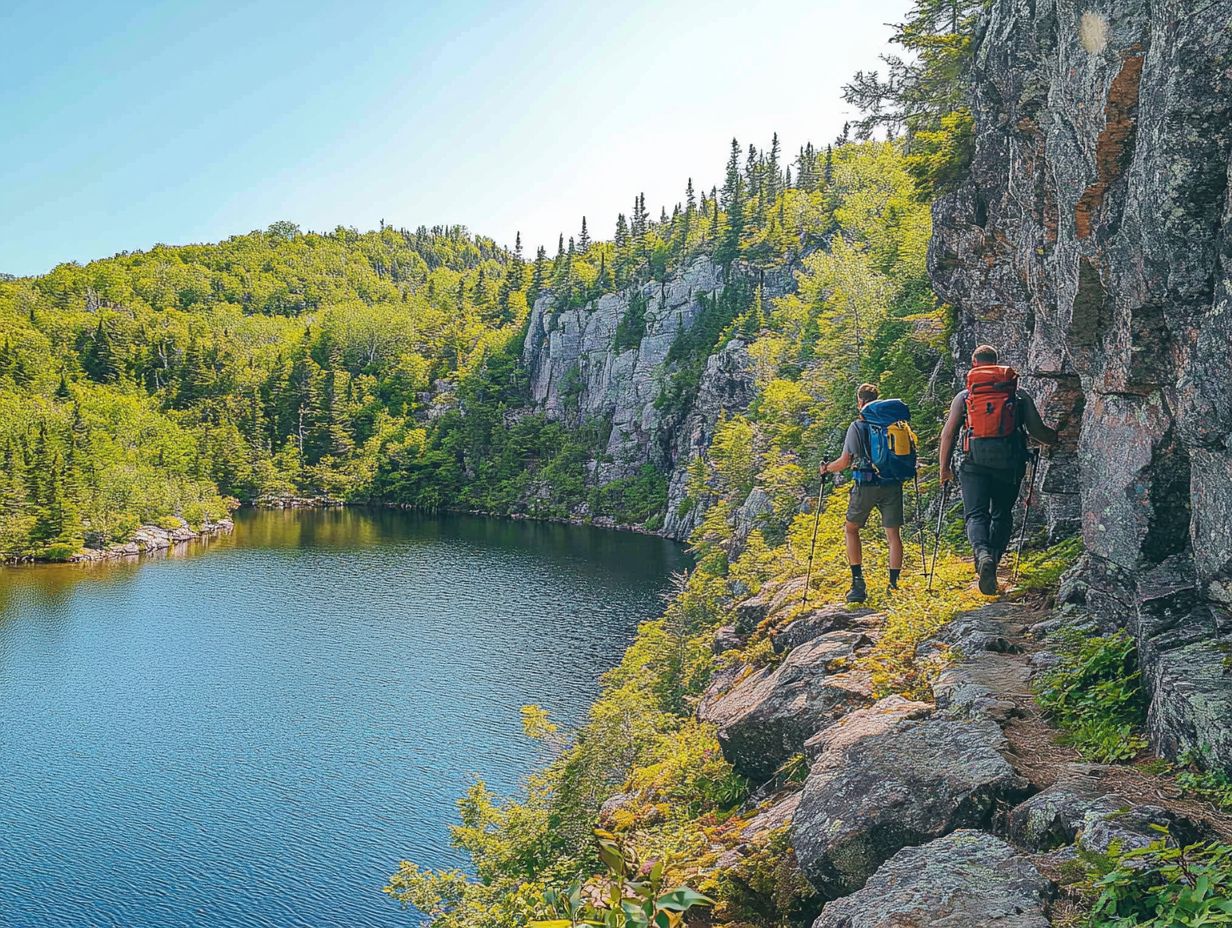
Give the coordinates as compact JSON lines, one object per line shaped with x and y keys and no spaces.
{"x":127,"y":124}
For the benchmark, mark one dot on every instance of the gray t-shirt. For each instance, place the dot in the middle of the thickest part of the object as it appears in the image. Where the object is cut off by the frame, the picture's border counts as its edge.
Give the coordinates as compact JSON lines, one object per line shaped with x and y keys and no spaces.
{"x":856,"y":445}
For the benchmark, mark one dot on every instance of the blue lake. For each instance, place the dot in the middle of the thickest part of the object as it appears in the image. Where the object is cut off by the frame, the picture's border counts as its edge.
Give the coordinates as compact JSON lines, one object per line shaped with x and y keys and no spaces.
{"x":254,"y":732}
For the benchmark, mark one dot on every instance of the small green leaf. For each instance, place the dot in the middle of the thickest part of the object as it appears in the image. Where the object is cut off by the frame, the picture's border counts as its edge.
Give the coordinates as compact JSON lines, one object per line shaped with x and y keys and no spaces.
{"x":681,"y":899}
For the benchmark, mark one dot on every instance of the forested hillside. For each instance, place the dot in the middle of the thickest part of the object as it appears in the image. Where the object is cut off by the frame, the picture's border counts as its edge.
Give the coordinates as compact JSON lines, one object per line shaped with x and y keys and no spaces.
{"x":386,"y":366}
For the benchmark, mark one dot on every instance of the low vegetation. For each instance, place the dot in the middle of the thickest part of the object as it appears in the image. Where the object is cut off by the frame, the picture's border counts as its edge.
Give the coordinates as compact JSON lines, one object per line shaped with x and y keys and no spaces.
{"x":1094,"y":695}
{"x":1164,"y":885}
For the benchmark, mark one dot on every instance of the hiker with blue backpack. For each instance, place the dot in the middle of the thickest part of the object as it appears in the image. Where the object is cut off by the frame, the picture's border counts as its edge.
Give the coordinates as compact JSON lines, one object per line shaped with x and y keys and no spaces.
{"x":881,"y":448}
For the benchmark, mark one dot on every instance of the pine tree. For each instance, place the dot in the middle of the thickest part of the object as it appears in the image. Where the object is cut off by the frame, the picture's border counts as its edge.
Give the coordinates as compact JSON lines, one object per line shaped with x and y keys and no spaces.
{"x":639,"y":224}
{"x":828,"y":173}
{"x":193,"y":377}
{"x":733,"y":205}
{"x":583,"y":241}
{"x":479,"y":295}
{"x":98,"y":358}
{"x":773,"y":176}
{"x":538,"y":275}
{"x":624,"y":251}
{"x":604,"y":283}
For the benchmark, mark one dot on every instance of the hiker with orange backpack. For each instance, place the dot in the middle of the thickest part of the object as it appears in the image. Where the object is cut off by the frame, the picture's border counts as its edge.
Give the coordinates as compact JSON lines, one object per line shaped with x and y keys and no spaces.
{"x":990,"y":421}
{"x":881,"y":448}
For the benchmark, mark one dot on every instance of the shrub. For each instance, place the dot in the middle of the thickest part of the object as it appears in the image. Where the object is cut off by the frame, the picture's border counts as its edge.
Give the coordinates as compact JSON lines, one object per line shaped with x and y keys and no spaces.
{"x":59,"y":552}
{"x":627,"y":895}
{"x":1214,"y":786}
{"x":1163,"y":886}
{"x":632,"y":325}
{"x":1095,"y":695}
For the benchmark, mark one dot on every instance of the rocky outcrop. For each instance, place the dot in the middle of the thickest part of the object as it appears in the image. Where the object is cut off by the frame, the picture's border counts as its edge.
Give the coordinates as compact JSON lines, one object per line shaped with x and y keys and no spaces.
{"x":965,"y":880}
{"x":915,"y":782}
{"x":1094,"y":220}
{"x":150,"y":539}
{"x":768,"y":713}
{"x":610,"y":362}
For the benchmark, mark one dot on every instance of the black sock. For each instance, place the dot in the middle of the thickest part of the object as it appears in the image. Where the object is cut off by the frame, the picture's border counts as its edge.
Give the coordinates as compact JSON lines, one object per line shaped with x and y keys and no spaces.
{"x":895,"y":572}
{"x":857,"y":571}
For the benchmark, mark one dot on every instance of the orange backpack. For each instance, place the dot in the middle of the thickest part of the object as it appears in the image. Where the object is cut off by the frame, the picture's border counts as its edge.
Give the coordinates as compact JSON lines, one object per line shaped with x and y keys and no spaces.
{"x":993,"y":436}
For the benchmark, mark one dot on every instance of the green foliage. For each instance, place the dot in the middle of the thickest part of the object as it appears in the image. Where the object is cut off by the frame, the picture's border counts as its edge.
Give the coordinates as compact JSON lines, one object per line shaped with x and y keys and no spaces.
{"x":636,"y":500}
{"x":925,"y":92}
{"x":766,"y":886}
{"x":626,"y":895}
{"x":1042,"y":570}
{"x":1094,"y":694}
{"x":1163,"y":886}
{"x":632,"y":326}
{"x":1211,"y":784}
{"x":939,"y":158}
{"x":156,"y":384}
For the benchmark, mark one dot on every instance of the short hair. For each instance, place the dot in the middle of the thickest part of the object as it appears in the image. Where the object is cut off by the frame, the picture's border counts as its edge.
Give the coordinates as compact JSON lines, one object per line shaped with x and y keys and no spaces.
{"x":868,"y":393}
{"x":985,"y":354}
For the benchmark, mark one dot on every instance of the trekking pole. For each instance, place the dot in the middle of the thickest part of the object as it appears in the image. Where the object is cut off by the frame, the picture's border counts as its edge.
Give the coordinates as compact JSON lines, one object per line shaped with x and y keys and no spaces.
{"x":1026,"y":515}
{"x":945,"y":499}
{"x":808,"y":576}
{"x":919,"y":521}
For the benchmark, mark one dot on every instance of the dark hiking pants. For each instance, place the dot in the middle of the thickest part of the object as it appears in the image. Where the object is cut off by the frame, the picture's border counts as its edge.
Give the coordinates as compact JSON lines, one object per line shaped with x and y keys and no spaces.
{"x":988,"y":509}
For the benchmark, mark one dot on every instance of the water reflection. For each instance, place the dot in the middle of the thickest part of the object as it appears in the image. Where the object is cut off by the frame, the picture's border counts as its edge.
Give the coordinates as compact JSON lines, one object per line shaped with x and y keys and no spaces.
{"x":257,"y":735}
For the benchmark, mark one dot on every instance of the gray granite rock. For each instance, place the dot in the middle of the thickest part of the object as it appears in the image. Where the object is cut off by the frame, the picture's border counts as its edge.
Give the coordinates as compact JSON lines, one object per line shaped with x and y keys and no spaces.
{"x":768,"y":713}
{"x":967,"y":879}
{"x":1090,"y":242}
{"x":909,"y":785}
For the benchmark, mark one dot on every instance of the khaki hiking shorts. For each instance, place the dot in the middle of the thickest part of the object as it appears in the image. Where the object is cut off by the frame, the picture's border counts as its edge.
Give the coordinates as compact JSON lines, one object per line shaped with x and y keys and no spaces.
{"x":887,"y":498}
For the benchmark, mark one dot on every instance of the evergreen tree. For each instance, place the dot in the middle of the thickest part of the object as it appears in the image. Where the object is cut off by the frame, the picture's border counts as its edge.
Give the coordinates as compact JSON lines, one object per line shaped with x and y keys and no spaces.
{"x":99,"y":359}
{"x":583,"y":241}
{"x":538,"y":275}
{"x":728,"y":248}
{"x":773,"y":179}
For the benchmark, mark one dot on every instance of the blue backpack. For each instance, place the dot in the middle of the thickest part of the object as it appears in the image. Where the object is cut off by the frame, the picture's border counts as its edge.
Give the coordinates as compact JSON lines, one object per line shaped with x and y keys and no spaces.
{"x":890,"y":444}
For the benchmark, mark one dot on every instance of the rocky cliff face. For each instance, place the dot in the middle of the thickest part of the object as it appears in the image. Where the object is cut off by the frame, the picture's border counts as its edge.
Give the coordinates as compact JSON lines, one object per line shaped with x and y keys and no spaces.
{"x":602,"y":363}
{"x":1090,"y":243}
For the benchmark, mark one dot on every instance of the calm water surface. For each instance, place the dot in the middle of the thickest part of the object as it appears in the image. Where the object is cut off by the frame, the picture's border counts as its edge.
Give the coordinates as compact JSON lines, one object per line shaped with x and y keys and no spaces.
{"x":255,"y":732}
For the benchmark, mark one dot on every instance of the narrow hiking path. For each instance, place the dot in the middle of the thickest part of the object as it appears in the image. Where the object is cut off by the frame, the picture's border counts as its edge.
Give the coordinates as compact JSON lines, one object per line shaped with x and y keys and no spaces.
{"x":970,"y":777}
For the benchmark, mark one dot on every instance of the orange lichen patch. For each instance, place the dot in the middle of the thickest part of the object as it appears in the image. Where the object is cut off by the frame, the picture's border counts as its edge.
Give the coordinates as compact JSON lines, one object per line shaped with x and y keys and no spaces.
{"x":1121,"y":121}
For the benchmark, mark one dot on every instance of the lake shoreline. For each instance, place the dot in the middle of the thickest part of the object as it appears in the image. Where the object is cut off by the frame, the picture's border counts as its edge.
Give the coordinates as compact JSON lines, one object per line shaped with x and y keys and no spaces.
{"x":152,"y":539}
{"x":148,"y":539}
{"x":326,"y":502}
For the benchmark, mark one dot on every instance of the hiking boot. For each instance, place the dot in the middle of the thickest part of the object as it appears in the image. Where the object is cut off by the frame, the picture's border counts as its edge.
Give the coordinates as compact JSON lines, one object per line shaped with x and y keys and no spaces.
{"x":858,"y":592}
{"x":987,"y":567}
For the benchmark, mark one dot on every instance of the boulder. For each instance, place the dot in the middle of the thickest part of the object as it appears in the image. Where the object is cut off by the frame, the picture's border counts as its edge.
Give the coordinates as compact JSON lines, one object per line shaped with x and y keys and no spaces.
{"x":809,"y":625}
{"x":877,"y":719}
{"x":1054,"y":817}
{"x":727,"y":639}
{"x":967,"y":879}
{"x":775,"y":816}
{"x":766,"y":715}
{"x":1130,"y":828}
{"x":970,"y":633}
{"x":916,"y":782}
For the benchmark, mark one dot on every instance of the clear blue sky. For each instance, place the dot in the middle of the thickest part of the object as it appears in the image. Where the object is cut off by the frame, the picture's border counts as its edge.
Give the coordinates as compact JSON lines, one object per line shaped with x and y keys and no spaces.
{"x":127,"y":124}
